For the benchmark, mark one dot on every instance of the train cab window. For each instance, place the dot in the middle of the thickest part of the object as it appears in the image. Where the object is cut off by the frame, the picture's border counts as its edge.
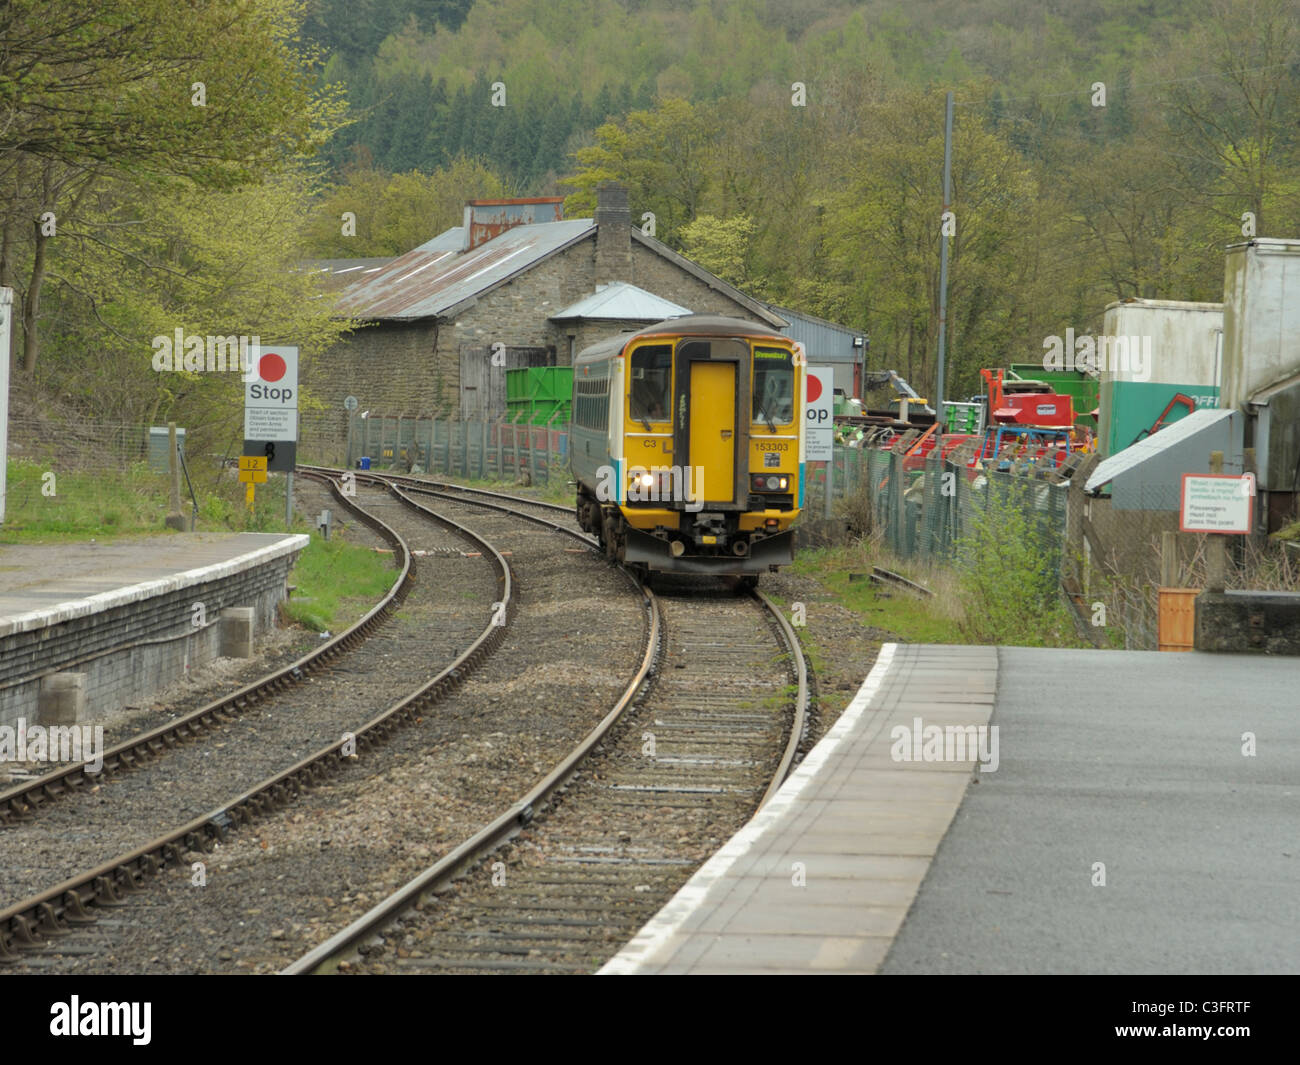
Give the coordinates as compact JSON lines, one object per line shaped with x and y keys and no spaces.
{"x":773,"y":385}
{"x":652,"y":372}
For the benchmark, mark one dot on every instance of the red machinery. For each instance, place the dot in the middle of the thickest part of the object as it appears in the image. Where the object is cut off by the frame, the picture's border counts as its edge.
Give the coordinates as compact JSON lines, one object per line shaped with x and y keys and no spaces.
{"x":1035,"y":405}
{"x":1179,"y":400}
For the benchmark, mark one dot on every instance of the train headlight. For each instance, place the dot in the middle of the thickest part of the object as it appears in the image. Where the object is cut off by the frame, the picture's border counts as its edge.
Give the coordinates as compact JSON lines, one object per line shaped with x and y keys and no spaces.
{"x":770,"y":482}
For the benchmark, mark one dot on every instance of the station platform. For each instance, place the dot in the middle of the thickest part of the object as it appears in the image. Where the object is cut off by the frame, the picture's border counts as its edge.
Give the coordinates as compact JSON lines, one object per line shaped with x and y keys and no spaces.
{"x":1134,"y":812}
{"x":128,"y":616}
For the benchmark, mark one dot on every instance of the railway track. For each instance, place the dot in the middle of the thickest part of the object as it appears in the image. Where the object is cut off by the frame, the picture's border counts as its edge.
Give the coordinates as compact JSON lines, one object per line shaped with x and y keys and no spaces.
{"x":284,"y":884}
{"x":890,"y":579}
{"x":29,"y":797}
{"x":133,"y":938}
{"x":246,"y":722}
{"x":565,"y":874}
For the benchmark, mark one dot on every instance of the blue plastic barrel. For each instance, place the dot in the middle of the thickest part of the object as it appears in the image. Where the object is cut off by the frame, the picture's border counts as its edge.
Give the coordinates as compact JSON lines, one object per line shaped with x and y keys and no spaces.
{"x":365,"y":462}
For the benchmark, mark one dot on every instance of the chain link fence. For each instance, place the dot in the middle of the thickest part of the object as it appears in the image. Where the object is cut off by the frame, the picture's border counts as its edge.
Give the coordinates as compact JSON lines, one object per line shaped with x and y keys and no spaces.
{"x":1016,"y":512}
{"x":455,"y":447}
{"x":74,"y":472}
{"x":924,"y":507}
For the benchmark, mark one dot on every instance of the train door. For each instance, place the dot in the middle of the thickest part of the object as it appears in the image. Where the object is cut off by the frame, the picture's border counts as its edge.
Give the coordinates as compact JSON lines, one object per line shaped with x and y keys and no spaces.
{"x":710,"y":423}
{"x":713,"y":431}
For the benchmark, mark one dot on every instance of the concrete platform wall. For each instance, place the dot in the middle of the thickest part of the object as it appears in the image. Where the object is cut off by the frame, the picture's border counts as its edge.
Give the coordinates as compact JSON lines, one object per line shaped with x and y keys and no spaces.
{"x":1246,"y":621}
{"x":131,"y":650}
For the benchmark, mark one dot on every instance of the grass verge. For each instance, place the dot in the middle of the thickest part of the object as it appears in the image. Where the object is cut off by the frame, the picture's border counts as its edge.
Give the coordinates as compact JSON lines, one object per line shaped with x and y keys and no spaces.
{"x":844,"y":573}
{"x":48,"y":506}
{"x":43,"y":505}
{"x":337,"y":582}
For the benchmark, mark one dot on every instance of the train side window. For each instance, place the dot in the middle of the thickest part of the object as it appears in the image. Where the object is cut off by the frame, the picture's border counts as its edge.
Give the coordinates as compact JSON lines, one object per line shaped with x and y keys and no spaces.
{"x":652,"y":372}
{"x":773,"y":385}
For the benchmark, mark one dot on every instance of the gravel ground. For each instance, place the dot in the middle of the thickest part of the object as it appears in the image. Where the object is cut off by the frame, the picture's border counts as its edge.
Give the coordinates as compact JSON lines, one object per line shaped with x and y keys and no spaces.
{"x":276,"y":888}
{"x":287,"y":882}
{"x":448,"y":606}
{"x":685,"y":768}
{"x":847,"y":648}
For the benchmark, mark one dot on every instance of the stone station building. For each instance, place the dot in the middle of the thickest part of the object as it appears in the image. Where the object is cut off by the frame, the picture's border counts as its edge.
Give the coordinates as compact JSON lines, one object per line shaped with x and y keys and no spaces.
{"x":517,"y":275}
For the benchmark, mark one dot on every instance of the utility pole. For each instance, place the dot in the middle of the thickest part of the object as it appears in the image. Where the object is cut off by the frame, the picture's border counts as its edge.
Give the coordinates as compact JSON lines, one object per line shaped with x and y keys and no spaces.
{"x":6,"y":325}
{"x":175,"y":519}
{"x":943,"y":259}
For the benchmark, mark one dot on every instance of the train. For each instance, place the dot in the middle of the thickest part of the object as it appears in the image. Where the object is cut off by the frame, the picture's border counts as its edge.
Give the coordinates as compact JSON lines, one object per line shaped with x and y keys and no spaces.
{"x":687,"y":446}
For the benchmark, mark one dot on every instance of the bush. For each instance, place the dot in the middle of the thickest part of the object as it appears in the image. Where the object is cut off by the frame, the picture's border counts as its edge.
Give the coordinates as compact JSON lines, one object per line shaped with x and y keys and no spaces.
{"x":1007,"y":559}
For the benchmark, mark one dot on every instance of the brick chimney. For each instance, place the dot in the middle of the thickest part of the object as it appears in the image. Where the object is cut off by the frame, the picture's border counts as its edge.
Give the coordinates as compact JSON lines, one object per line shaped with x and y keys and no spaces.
{"x":485,"y":219}
{"x":613,"y":235}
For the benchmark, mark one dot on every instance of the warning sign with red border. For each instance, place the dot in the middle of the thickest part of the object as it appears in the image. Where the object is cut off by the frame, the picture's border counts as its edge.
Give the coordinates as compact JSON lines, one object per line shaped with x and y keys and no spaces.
{"x":271,"y":407}
{"x":819,"y":412}
{"x":1217,"y":503}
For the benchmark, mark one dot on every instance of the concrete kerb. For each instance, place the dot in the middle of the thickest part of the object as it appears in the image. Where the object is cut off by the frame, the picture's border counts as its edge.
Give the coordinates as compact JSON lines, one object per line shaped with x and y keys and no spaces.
{"x":669,"y":922}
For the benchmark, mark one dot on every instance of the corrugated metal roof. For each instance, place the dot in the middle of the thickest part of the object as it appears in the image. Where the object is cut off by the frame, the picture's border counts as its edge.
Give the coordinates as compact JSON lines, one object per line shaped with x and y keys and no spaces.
{"x":339,"y":273}
{"x":622,"y":301}
{"x":822,"y":340}
{"x":349,"y":266}
{"x":488,"y":219}
{"x":1153,"y":446}
{"x":452,"y":239}
{"x":436,"y":277}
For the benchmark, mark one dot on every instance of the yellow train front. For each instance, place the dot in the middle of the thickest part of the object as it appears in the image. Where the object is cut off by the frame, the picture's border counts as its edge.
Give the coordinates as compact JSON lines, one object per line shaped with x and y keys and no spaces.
{"x":687,"y":446}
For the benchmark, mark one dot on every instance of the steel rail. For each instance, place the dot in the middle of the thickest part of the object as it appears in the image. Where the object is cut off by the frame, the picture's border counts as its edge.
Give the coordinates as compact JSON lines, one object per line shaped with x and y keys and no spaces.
{"x":25,"y":799}
{"x":492,"y":835}
{"x":799,"y":721}
{"x":520,"y":813}
{"x":28,"y":924}
{"x":890,"y":578}
{"x":419,"y":482}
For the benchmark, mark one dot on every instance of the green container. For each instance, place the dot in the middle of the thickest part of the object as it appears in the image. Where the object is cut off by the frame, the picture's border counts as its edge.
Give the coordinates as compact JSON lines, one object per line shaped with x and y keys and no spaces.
{"x":555,"y":383}
{"x":550,"y":384}
{"x":1134,"y":406}
{"x":538,"y":412}
{"x":555,"y":413}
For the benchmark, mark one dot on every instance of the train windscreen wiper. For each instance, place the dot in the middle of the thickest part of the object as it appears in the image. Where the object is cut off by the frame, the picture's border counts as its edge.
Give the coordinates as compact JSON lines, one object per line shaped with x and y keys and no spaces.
{"x":771,"y":425}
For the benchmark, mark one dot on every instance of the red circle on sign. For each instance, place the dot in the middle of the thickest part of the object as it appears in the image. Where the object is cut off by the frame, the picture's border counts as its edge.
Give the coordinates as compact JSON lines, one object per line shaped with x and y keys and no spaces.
{"x":814,"y":388}
{"x":271,"y":367}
